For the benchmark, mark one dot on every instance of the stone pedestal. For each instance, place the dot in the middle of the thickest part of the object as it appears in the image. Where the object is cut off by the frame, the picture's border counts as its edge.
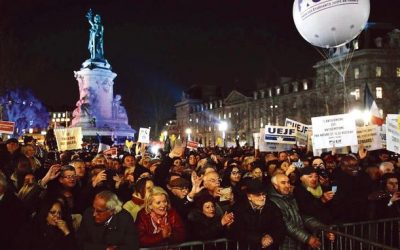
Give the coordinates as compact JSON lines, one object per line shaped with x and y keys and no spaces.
{"x":97,"y":110}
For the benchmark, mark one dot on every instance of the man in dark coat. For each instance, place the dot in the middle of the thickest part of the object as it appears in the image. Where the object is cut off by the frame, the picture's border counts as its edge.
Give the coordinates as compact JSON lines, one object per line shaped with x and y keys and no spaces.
{"x":9,"y":156}
{"x":107,"y":225}
{"x":258,"y":222}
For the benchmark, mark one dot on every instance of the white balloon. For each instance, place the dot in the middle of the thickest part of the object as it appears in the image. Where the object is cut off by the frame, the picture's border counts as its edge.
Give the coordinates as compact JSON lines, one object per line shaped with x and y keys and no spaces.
{"x":330,"y":23}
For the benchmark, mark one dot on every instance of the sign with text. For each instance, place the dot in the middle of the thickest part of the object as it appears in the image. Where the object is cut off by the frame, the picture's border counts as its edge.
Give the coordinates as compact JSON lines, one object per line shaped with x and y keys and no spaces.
{"x":370,"y":137}
{"x":7,"y":127}
{"x":280,"y":134}
{"x":68,"y":138}
{"x":271,"y":147}
{"x":144,"y":135}
{"x":334,"y":131}
{"x":392,"y":136}
{"x":301,"y":129}
{"x":192,"y":144}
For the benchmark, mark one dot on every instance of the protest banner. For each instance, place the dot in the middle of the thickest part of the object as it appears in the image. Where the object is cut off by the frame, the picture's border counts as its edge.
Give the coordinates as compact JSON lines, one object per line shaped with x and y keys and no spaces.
{"x":280,"y":134}
{"x":68,"y":138}
{"x":334,"y":131}
{"x":144,"y":135}
{"x":302,"y":130}
{"x":392,"y":136}
{"x":271,"y":147}
{"x":113,"y":152}
{"x":369,"y":136}
{"x":192,"y":144}
{"x":7,"y":127}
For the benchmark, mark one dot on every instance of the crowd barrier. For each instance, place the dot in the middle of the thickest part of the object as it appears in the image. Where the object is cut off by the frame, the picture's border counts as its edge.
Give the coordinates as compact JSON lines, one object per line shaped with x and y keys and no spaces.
{"x":370,"y":235}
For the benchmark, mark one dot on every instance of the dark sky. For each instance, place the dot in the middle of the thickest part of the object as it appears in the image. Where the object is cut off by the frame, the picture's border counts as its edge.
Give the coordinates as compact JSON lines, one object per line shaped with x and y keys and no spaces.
{"x":169,"y":44}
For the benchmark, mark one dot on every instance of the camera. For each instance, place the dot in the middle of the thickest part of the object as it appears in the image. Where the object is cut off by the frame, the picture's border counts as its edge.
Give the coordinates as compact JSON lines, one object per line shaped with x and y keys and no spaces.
{"x":323,"y":172}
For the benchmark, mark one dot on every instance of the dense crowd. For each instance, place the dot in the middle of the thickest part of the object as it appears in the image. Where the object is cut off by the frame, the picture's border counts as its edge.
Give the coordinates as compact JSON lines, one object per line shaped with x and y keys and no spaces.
{"x":87,"y":200}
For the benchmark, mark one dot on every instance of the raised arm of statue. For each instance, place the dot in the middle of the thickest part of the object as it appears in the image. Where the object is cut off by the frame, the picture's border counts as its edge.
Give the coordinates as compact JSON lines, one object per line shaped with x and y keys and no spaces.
{"x":96,"y":33}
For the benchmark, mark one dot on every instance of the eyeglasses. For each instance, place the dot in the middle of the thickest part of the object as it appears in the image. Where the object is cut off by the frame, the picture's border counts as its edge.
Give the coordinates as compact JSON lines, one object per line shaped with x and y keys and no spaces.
{"x":54,"y":212}
{"x":70,"y":177}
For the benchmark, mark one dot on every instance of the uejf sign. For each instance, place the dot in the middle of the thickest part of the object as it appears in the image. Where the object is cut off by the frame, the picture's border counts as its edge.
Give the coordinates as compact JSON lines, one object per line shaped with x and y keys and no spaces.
{"x":280,"y":134}
{"x":7,"y":127}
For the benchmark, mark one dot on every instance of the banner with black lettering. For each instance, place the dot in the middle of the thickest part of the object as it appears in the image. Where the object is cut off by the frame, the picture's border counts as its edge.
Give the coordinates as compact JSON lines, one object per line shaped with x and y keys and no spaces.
{"x":280,"y":134}
{"x":68,"y":138}
{"x":302,"y":130}
{"x":370,"y":137}
{"x":334,"y":131}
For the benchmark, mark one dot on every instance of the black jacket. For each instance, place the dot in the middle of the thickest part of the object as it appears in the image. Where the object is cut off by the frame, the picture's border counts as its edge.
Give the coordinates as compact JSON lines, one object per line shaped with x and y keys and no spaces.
{"x":250,"y":226}
{"x":120,"y":232}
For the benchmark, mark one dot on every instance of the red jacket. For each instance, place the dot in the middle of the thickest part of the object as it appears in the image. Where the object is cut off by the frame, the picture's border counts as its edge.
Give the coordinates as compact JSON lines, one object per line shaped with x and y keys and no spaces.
{"x":147,"y":237}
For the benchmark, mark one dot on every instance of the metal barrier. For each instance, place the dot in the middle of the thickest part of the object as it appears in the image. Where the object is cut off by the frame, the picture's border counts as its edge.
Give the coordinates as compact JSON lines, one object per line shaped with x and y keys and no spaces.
{"x":222,"y":244}
{"x":371,"y":235}
{"x":384,"y":231}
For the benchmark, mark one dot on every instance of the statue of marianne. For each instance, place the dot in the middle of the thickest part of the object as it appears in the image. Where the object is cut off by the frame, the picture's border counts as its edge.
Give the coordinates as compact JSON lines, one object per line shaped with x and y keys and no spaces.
{"x":96,"y":36}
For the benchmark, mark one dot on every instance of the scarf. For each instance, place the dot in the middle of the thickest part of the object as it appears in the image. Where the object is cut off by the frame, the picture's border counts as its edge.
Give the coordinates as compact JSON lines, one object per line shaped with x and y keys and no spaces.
{"x":158,"y":222}
{"x":316,"y":192}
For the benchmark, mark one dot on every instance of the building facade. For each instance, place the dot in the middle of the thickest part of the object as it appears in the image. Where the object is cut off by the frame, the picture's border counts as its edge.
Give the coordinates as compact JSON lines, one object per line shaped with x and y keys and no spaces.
{"x":338,"y":87}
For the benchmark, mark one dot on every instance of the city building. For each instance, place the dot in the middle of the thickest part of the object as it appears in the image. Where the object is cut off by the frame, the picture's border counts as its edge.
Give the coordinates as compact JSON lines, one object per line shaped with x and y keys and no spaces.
{"x":338,"y":87}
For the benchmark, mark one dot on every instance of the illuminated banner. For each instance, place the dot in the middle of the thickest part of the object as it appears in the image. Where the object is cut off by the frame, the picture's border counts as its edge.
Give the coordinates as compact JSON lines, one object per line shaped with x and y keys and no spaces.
{"x":192,"y":144}
{"x":392,"y":136}
{"x":271,"y":147}
{"x":370,"y":137}
{"x":280,"y":134}
{"x":302,"y":130}
{"x":68,"y":138}
{"x":7,"y":127}
{"x":144,"y":135}
{"x":334,"y":131}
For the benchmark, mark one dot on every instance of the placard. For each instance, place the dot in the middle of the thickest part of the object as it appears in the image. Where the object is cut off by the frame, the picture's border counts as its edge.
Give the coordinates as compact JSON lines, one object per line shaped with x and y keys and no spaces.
{"x":370,"y":137}
{"x":334,"y":131}
{"x":7,"y":127}
{"x":144,"y":135}
{"x":302,"y":130}
{"x":272,"y":147}
{"x":280,"y":134}
{"x":68,"y":138}
{"x":392,"y":136}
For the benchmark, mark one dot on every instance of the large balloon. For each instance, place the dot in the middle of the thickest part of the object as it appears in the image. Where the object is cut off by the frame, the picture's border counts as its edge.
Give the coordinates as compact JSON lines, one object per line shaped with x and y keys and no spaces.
{"x":330,"y":23}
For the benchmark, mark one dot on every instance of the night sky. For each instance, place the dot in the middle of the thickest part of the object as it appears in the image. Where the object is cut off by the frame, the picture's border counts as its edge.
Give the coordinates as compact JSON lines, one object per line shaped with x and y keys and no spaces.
{"x":157,"y":47}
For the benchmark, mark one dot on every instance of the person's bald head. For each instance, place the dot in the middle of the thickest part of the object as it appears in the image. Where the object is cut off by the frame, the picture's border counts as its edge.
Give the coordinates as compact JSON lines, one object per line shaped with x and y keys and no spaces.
{"x":281,"y":183}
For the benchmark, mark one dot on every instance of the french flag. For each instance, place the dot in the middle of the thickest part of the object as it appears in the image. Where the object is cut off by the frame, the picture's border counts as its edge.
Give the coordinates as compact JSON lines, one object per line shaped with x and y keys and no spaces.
{"x":370,"y":104}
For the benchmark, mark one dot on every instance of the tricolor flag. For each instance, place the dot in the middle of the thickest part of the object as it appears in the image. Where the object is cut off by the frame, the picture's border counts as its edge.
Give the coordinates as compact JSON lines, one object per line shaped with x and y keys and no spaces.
{"x":370,"y":105}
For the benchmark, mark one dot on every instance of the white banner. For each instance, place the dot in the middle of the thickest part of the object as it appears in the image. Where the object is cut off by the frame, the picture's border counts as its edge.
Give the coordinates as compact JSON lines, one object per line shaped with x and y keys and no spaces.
{"x":280,"y":134}
{"x":370,"y":137}
{"x":334,"y":131}
{"x":144,"y":135}
{"x":302,"y":130}
{"x":392,"y":136}
{"x":68,"y":138}
{"x":272,"y":147}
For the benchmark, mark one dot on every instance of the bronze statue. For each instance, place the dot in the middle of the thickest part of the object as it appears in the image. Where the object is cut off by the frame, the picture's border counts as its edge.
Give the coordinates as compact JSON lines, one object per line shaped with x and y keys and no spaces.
{"x":96,"y":36}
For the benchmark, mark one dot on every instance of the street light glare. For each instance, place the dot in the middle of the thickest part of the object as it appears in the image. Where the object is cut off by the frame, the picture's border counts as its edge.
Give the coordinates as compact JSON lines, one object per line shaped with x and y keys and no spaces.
{"x":222,"y":126}
{"x":188,"y":131}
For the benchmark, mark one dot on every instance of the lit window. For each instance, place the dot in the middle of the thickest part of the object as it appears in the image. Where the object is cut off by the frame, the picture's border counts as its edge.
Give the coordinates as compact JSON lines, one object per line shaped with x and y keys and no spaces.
{"x":356,"y":94}
{"x":54,"y":115}
{"x":356,"y":73}
{"x":379,"y":92}
{"x":197,"y":120}
{"x":278,"y":91}
{"x":209,"y":128}
{"x":230,"y":115}
{"x":305,"y":85}
{"x":398,"y":71}
{"x":356,"y":45}
{"x":261,"y":123}
{"x":211,"y":106}
{"x":378,"y":71}
{"x":270,"y":92}
{"x":59,"y":115}
{"x":224,"y":116}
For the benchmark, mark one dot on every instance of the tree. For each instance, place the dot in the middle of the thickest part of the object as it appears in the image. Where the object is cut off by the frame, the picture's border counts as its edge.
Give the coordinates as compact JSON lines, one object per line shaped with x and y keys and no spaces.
{"x":23,"y":108}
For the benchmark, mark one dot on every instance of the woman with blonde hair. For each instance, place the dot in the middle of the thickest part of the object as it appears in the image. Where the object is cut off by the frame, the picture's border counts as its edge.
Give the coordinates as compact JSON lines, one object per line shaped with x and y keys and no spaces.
{"x":157,"y":222}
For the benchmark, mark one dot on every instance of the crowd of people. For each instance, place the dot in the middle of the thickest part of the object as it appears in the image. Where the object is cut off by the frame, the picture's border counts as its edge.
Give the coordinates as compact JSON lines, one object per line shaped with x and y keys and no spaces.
{"x":87,"y":200}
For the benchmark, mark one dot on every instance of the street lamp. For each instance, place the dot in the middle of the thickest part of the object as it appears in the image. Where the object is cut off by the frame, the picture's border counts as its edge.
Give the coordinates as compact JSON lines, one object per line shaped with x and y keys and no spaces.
{"x":188,"y":131}
{"x":223,"y":126}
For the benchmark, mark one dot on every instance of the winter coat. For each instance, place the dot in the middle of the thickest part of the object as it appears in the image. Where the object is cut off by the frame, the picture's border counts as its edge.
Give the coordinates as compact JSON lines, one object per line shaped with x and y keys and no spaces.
{"x":296,"y":225}
{"x":250,"y":226}
{"x":146,"y":230}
